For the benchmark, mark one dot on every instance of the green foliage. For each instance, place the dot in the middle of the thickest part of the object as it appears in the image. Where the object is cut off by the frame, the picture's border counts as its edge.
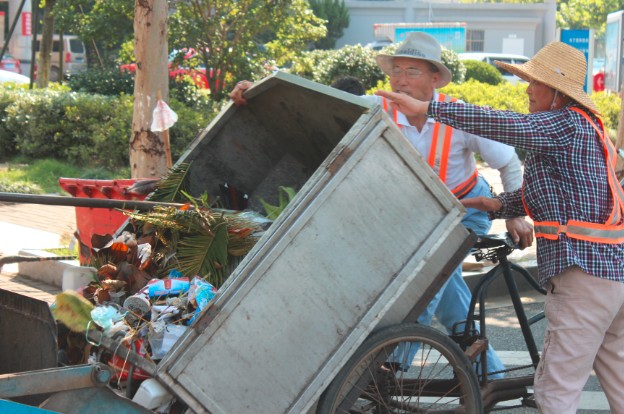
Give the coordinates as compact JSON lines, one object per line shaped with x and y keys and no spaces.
{"x":103,"y":25}
{"x":236,"y":38}
{"x":84,"y":128}
{"x":452,"y":62}
{"x":324,"y":66}
{"x":504,"y":96}
{"x":21,"y":187}
{"x":482,"y":72}
{"x":285,"y":196}
{"x":583,"y":14}
{"x":337,"y":16}
{"x":41,"y":176}
{"x":173,"y":187}
{"x":104,"y":81}
{"x":609,"y":105}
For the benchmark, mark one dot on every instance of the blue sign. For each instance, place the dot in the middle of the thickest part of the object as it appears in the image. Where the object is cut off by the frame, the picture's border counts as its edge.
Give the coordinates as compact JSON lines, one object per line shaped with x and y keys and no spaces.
{"x":453,"y":38}
{"x":578,"y":39}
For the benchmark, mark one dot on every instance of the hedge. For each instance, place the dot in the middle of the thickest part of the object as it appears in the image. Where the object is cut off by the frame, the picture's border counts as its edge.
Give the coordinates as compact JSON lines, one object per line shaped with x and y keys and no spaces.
{"x":82,"y":127}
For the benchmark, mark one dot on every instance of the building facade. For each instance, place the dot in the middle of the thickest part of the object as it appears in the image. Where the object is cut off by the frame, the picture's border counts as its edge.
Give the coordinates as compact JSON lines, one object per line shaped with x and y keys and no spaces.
{"x":490,"y":27}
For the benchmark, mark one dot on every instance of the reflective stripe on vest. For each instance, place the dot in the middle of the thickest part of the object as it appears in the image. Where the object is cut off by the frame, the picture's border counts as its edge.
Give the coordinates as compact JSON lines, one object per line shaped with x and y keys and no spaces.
{"x":610,"y":232}
{"x":439,"y":152}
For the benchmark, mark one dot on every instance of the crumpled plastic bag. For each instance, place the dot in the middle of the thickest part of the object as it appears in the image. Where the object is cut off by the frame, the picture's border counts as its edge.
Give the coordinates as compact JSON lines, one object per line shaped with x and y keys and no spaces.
{"x":163,"y":338}
{"x":163,"y":117}
{"x":106,"y":316}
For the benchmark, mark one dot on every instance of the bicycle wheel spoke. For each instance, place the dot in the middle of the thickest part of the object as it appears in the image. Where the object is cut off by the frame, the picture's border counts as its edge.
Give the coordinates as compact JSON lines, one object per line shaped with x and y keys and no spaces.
{"x":438,"y":379}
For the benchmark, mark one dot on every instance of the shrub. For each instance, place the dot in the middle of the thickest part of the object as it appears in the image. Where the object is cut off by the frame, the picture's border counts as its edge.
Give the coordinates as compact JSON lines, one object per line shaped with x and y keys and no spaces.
{"x":504,"y":96}
{"x":609,"y":105}
{"x":452,"y":62}
{"x":21,"y":187}
{"x":84,"y":129}
{"x":104,"y":81}
{"x":482,"y":72}
{"x":324,"y":66}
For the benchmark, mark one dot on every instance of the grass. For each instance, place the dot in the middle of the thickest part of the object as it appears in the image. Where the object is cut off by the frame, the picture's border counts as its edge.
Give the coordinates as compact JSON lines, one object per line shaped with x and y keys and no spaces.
{"x":41,"y":176}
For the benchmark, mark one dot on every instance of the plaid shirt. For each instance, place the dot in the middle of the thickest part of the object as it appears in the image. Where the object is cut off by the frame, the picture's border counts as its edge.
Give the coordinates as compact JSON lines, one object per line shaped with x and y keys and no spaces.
{"x":565,"y":179}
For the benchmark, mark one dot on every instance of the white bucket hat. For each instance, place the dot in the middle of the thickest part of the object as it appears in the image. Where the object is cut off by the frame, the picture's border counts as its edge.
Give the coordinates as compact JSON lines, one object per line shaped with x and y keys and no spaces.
{"x":559,"y":66}
{"x":418,"y":45}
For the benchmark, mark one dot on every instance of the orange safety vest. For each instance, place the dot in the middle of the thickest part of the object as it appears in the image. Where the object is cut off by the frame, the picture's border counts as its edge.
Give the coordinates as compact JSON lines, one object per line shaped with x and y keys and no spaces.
{"x":610,"y":232}
{"x":439,"y":153}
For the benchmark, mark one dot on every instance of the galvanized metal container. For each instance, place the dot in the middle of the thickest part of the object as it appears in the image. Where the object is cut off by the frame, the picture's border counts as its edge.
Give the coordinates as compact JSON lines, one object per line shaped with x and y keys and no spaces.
{"x":369,"y":238}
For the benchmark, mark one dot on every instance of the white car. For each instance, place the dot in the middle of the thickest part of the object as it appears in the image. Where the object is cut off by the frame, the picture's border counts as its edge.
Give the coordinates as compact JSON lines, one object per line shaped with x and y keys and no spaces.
{"x":6,"y":76}
{"x":491,"y":57}
{"x":378,"y":44}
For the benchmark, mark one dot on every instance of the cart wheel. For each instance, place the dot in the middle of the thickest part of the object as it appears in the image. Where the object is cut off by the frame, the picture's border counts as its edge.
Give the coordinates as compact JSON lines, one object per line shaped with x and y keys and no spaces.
{"x":439,"y":379}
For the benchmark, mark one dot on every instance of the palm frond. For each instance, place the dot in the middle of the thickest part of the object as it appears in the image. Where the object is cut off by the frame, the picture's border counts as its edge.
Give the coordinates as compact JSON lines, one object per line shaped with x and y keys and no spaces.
{"x":205,"y":254}
{"x":171,"y":188}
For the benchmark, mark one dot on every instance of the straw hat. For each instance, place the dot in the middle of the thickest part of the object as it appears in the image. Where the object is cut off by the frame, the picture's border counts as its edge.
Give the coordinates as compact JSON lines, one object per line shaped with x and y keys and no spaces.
{"x":417,"y":45}
{"x":559,"y":66}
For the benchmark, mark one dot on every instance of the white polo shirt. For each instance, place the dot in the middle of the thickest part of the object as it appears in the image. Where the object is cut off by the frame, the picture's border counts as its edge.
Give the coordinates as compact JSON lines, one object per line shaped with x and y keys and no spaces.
{"x":461,"y":160}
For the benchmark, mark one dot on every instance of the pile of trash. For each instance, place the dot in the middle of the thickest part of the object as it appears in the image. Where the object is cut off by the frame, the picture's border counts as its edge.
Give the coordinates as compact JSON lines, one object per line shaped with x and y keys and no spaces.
{"x":151,"y":282}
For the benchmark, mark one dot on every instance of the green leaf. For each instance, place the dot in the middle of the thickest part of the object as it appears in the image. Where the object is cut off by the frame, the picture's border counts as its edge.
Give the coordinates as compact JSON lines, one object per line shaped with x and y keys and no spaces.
{"x":173,"y":187}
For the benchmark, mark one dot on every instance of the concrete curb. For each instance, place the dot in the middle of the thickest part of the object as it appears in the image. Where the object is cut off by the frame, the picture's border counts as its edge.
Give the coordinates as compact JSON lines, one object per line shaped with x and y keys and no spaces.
{"x":49,"y":272}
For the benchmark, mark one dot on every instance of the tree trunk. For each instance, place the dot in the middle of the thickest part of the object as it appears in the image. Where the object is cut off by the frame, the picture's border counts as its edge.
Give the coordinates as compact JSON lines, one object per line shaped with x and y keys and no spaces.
{"x":45,"y":46}
{"x":147,"y":150}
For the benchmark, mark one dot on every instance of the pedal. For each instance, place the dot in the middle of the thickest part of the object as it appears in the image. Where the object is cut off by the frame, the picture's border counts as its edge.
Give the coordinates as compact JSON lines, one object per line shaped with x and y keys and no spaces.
{"x":473,"y":351}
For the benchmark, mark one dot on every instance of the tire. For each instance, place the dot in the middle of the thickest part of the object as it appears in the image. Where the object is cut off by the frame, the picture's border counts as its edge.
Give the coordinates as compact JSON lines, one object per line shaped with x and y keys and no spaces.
{"x":439,"y":380}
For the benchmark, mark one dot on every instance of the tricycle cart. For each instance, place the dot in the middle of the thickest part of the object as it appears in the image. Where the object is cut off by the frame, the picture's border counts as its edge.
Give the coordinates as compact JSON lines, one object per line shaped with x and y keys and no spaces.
{"x":370,"y":237}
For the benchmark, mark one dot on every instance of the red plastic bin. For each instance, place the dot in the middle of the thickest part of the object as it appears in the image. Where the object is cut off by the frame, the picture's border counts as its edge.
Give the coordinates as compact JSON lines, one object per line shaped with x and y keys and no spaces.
{"x":90,"y":221}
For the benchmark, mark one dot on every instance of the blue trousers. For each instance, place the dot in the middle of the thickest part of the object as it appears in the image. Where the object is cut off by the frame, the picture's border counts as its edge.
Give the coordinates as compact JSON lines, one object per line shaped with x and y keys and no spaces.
{"x":450,"y":305}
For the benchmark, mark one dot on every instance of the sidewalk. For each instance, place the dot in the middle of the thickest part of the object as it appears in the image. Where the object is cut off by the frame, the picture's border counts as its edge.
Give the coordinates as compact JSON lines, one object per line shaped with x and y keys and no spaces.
{"x":32,"y":226}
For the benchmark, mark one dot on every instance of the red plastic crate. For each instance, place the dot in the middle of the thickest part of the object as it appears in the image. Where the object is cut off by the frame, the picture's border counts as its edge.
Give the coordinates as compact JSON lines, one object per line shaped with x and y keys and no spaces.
{"x":90,"y":221}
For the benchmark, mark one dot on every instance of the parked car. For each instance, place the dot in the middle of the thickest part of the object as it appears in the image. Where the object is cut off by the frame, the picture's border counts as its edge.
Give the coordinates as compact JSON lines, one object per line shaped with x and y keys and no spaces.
{"x":74,"y":56}
{"x":491,"y":57}
{"x":378,"y":44}
{"x":7,"y":76}
{"x":9,"y":63}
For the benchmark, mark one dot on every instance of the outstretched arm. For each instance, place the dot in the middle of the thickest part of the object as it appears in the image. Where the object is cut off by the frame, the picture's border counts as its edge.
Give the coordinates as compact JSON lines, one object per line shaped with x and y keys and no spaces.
{"x":406,"y":104}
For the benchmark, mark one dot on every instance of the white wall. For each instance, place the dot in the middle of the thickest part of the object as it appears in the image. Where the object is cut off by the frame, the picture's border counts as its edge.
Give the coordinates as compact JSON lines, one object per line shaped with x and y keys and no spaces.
{"x":534,"y":24}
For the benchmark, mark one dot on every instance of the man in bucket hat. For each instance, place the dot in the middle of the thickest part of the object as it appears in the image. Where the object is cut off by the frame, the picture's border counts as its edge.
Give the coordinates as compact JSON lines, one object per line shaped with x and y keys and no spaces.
{"x":416,"y":69}
{"x":572,"y":193}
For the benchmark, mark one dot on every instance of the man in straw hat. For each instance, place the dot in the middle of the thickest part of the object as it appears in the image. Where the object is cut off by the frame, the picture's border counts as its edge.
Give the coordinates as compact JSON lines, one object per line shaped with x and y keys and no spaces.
{"x":571,"y":191}
{"x":416,"y":69}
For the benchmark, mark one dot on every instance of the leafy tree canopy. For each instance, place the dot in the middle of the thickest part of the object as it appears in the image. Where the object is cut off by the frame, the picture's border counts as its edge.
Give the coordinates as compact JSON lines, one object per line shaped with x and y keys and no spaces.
{"x":236,"y":39}
{"x":583,"y":14}
{"x":336,"y":14}
{"x":104,"y":25}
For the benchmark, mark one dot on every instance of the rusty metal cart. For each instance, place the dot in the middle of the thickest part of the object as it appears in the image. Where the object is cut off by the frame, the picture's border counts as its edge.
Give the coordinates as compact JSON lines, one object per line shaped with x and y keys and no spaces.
{"x":368,"y":240}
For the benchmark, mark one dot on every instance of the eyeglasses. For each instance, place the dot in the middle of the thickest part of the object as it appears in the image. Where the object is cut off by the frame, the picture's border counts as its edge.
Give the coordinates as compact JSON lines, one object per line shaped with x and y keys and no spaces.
{"x":411,"y":73}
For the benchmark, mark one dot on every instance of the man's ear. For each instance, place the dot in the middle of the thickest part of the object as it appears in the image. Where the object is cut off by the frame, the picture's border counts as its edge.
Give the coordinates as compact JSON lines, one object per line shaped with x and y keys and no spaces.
{"x":436,"y":77}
